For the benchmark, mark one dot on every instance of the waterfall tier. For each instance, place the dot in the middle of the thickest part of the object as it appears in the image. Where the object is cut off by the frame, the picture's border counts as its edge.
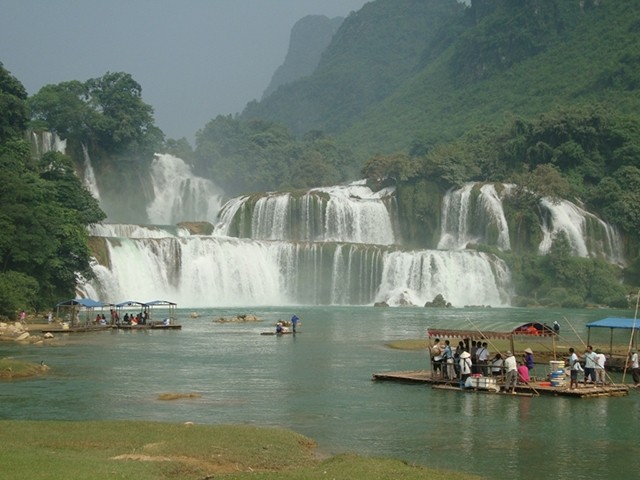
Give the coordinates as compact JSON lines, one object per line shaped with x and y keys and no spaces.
{"x":213,"y":271}
{"x":474,"y":214}
{"x":178,"y":195}
{"x":352,"y":214}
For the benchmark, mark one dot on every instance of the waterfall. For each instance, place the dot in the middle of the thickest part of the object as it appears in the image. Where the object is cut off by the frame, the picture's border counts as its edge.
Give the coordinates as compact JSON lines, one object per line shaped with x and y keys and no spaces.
{"x":588,"y":235}
{"x":44,"y":142}
{"x":89,"y":179}
{"x":125,"y":230}
{"x":200,"y":271}
{"x":324,"y":246}
{"x":351,"y":214}
{"x":463,"y":278}
{"x":271,"y":218}
{"x":473,"y":214}
{"x":179,"y":195}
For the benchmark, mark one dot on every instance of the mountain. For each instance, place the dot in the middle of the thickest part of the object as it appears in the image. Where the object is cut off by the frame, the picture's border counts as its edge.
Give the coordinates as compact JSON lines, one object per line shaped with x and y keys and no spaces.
{"x":310,"y":36}
{"x":371,"y":55}
{"x":418,"y":70}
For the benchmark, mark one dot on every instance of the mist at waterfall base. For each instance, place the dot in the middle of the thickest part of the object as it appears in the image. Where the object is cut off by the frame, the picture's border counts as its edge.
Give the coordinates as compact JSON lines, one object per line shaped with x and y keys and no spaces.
{"x":318,"y":383}
{"x":327,"y":246}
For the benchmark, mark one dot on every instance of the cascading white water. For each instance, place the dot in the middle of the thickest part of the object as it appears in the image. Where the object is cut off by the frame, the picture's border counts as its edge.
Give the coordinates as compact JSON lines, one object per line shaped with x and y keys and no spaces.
{"x":45,"y":142}
{"x":204,"y":271}
{"x":474,"y":214}
{"x":89,"y":179}
{"x":574,"y":221}
{"x":125,"y":230}
{"x":356,"y":214}
{"x":271,"y":218}
{"x":351,"y":213}
{"x":463,"y":278}
{"x":200,"y":270}
{"x":463,"y":225}
{"x":179,"y":195}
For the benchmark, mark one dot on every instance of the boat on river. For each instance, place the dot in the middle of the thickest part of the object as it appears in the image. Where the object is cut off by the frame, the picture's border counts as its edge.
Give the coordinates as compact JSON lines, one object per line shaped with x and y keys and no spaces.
{"x":553,"y":382}
{"x":79,"y":314}
{"x":532,"y":388}
{"x":146,"y":319}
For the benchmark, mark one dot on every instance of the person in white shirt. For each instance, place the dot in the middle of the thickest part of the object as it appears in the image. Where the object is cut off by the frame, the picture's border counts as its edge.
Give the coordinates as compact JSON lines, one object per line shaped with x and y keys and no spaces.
{"x":634,"y":365}
{"x":574,"y":365}
{"x":511,"y":367}
{"x":600,"y":362}
{"x":483,"y":358}
{"x":589,"y":365}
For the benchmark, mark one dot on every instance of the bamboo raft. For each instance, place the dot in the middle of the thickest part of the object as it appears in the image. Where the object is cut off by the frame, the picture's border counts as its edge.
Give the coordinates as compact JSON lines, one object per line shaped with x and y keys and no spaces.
{"x":533,"y":388}
{"x":102,"y":328}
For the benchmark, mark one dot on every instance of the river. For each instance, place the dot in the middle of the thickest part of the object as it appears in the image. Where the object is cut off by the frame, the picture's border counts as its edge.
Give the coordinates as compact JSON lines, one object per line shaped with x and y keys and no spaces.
{"x":318,"y":383}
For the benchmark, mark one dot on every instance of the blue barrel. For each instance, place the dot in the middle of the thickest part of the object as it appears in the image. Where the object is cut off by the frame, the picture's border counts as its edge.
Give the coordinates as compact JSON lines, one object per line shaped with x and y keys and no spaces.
{"x":557,"y":378}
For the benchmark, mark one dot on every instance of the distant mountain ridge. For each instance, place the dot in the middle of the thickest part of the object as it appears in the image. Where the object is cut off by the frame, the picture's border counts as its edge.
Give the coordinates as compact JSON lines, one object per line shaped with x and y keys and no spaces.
{"x":310,"y":36}
{"x":429,"y":70}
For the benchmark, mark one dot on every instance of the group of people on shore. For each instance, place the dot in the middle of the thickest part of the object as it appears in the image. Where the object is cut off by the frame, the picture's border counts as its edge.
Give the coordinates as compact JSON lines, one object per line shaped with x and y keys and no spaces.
{"x":472,"y":357}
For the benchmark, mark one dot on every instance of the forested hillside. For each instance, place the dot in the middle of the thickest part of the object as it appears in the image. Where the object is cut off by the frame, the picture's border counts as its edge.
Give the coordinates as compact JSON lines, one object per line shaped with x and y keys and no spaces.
{"x":412,"y":70}
{"x":309,"y":38}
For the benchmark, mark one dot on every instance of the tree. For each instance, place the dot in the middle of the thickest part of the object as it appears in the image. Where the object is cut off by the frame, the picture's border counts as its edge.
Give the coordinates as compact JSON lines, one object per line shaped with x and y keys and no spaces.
{"x":63,"y":109}
{"x":125,"y":119}
{"x":44,"y":213}
{"x":107,"y":112}
{"x":13,"y":111}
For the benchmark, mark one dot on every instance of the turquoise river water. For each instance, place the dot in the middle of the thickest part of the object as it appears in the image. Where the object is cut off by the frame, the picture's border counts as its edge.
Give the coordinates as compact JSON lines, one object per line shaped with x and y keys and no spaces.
{"x":318,"y":383}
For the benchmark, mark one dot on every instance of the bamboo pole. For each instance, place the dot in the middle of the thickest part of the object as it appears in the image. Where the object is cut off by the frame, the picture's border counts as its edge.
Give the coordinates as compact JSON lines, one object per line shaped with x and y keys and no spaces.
{"x":633,"y":328}
{"x":498,"y":350}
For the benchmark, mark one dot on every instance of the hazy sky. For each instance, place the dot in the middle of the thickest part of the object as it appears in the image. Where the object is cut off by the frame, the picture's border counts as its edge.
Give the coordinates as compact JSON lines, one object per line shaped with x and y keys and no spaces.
{"x":195,"y":59}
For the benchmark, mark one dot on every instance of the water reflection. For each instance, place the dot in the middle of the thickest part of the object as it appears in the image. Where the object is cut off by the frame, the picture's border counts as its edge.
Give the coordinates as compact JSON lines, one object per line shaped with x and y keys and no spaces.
{"x":319,"y":384}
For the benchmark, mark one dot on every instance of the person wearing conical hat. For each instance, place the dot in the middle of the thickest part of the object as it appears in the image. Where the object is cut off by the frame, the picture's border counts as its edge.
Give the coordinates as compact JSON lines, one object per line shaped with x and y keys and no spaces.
{"x":465,"y":366}
{"x":528,"y":359}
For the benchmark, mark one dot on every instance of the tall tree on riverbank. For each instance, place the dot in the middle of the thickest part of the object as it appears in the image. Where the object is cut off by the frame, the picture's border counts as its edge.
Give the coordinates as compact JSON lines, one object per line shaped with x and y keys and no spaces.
{"x":44,"y":213}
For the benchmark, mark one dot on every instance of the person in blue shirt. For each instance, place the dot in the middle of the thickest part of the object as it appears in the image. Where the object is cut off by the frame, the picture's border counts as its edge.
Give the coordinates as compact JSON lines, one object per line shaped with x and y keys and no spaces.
{"x":294,"y":322}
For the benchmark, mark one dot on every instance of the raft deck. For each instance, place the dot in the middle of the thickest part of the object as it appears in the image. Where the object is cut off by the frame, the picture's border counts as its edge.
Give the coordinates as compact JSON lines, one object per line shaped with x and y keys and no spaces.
{"x":532,"y":388}
{"x":157,"y":326}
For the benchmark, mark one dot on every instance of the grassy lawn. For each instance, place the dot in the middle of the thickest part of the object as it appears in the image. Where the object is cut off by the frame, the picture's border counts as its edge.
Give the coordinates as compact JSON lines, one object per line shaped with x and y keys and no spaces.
{"x":149,"y":450}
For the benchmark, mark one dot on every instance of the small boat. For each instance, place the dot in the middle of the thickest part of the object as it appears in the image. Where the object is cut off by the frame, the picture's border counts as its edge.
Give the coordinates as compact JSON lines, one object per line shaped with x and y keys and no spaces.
{"x":279,"y":333}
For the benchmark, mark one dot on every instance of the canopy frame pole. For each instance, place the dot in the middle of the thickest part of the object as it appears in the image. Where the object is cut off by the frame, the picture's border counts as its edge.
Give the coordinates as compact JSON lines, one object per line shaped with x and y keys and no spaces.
{"x":633,"y":331}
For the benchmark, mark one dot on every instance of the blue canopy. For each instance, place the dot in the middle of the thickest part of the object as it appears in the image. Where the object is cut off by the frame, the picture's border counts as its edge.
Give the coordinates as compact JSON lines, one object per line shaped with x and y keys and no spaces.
{"x":161,"y":302}
{"x":85,"y":302}
{"x":613,"y":322}
{"x":130,"y":303}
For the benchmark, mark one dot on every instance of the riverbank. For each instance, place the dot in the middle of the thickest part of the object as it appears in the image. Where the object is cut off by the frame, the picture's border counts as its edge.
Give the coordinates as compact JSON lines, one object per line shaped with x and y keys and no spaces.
{"x":152,"y":450}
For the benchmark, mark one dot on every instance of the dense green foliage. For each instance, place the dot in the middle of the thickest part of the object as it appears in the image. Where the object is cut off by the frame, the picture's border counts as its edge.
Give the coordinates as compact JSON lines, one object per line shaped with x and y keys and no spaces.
{"x":107,"y":119}
{"x":44,"y":214}
{"x":258,"y":155}
{"x":106,"y":113}
{"x":12,"y":105}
